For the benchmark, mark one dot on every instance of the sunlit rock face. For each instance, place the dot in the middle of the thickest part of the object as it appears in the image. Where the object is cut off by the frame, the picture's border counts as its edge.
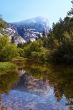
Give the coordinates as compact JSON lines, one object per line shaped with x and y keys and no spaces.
{"x":32,"y":28}
{"x":12,"y":34}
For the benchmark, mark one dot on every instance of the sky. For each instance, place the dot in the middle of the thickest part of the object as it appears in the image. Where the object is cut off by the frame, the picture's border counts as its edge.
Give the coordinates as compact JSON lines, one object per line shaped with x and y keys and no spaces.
{"x":18,"y":10}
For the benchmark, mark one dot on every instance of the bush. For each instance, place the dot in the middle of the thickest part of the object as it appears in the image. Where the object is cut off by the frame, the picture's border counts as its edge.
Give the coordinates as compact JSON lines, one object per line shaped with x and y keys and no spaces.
{"x":7,"y":49}
{"x":8,"y":52}
{"x":21,"y":52}
{"x":36,"y":52}
{"x":6,"y":67}
{"x":3,"y":41}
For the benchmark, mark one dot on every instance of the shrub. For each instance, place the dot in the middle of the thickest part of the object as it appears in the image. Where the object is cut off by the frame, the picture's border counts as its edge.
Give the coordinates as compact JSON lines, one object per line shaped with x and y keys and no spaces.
{"x":8,"y":52}
{"x":6,"y":67}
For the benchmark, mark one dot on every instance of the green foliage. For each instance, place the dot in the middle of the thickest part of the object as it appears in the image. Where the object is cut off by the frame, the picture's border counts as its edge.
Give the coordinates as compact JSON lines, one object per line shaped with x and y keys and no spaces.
{"x":62,"y":34}
{"x":40,"y":56}
{"x":8,"y":52}
{"x":2,"y":23}
{"x":3,"y":41}
{"x":33,"y":46}
{"x":7,"y":49}
{"x":20,"y":52}
{"x":58,"y":30}
{"x":36,"y":51}
{"x":63,"y":54}
{"x":6,"y":67}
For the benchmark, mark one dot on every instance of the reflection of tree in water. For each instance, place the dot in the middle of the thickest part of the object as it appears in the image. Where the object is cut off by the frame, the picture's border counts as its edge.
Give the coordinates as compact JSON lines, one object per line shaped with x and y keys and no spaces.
{"x":7,"y":81}
{"x":63,"y":80}
{"x":2,"y":107}
{"x":59,"y":76}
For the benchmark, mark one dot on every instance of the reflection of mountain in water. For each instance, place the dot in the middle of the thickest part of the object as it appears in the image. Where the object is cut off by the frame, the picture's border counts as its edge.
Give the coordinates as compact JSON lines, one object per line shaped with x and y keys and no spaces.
{"x":29,"y":83}
{"x":32,"y":94}
{"x":41,"y":88}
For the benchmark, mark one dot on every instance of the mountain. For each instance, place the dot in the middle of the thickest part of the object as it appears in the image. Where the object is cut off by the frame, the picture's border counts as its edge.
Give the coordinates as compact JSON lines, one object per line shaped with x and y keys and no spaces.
{"x":23,"y":31}
{"x":12,"y":34}
{"x":30,"y":29}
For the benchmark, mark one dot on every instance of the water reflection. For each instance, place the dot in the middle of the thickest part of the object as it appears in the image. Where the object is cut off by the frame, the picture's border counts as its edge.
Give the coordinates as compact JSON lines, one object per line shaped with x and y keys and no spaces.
{"x":61,"y":77}
{"x":7,"y":82}
{"x":39,"y":88}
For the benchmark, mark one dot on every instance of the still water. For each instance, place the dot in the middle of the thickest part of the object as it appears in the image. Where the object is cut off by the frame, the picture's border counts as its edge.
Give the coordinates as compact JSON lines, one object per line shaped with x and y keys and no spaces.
{"x":37,"y":88}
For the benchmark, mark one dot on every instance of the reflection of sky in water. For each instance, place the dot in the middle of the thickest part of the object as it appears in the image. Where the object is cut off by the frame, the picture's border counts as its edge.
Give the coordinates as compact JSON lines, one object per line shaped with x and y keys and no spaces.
{"x":23,"y":100}
{"x":63,"y":100}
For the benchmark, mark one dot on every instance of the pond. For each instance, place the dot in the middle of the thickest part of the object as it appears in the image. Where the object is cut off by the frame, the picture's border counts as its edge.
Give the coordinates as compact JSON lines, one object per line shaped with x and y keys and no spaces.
{"x":38,"y":87}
